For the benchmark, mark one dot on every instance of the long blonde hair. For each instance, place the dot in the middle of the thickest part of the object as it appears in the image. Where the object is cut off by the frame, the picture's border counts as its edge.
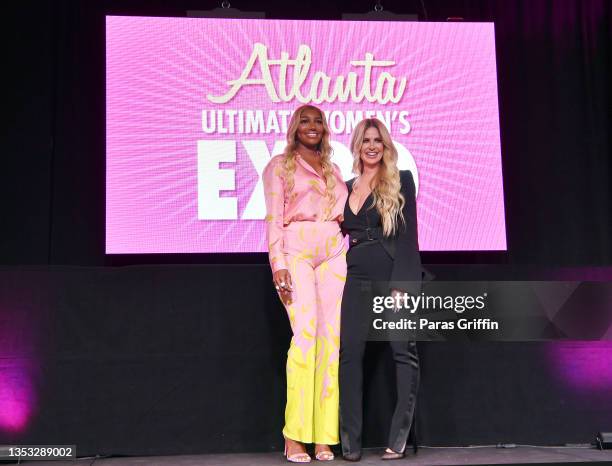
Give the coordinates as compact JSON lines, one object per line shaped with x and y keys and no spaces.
{"x":386,"y":186}
{"x":324,"y":149}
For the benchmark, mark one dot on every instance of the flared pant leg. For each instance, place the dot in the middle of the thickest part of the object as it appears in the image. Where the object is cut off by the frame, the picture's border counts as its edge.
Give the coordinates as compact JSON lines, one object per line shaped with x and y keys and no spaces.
{"x":353,"y":336}
{"x":317,"y":264}
{"x":407,"y":382}
{"x":369,"y":269}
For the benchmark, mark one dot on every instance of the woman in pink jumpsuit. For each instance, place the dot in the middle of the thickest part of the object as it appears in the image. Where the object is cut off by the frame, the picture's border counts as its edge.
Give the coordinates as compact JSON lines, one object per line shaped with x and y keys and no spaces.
{"x":305,"y":197}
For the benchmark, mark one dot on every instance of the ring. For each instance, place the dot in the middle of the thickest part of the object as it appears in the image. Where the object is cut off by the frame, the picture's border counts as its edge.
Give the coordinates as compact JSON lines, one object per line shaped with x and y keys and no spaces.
{"x":282,"y":284}
{"x":277,"y":288}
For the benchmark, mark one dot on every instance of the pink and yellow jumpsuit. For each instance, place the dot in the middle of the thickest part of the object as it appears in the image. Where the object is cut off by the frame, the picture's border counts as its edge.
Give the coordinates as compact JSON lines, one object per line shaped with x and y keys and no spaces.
{"x":304,"y":237}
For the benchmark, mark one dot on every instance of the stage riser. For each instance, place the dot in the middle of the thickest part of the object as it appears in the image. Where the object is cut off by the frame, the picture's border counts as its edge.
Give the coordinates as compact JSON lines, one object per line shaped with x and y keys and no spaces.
{"x":190,"y":359}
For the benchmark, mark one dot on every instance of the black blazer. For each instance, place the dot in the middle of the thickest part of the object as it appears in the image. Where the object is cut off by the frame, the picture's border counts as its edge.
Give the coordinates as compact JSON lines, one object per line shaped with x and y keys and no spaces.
{"x":403,"y":247}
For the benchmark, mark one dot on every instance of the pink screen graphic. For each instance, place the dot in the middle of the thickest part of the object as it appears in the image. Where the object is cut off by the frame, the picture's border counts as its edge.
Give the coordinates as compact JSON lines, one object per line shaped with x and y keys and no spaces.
{"x":196,"y":107}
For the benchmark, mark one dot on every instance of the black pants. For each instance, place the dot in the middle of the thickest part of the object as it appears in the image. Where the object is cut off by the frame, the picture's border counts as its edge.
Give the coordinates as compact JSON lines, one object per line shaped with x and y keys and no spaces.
{"x":369,"y":268}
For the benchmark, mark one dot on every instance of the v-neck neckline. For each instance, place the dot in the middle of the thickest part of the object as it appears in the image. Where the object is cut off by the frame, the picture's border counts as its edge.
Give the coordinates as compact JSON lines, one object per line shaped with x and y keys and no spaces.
{"x":362,"y":205}
{"x":309,"y":167}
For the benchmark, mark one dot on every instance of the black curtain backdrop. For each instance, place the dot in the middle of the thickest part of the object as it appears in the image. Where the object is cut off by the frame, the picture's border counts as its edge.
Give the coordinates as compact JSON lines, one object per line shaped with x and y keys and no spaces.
{"x":142,"y":360}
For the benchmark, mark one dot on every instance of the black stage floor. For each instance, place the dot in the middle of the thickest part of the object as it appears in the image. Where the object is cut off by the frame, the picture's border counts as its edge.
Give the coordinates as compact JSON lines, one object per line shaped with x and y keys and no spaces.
{"x":427,"y":456}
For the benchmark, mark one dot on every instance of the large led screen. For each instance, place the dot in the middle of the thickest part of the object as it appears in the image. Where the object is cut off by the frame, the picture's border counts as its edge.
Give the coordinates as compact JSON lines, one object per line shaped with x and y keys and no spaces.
{"x":196,"y":107}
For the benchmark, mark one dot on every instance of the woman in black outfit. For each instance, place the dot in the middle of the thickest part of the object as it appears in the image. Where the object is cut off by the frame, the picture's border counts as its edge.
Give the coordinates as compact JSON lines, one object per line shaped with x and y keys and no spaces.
{"x":380,"y":219}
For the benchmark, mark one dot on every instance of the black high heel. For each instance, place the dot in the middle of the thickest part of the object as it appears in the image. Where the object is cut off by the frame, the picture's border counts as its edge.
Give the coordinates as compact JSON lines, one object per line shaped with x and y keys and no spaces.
{"x":412,"y":435}
{"x":354,"y":457}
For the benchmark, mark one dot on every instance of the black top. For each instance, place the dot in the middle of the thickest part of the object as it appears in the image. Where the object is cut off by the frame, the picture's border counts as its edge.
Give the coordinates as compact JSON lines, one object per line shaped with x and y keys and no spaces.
{"x":368,"y":216}
{"x":403,"y":247}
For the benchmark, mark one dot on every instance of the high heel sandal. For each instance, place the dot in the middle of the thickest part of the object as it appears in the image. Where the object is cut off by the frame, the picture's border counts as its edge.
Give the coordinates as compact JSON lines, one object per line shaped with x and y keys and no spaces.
{"x":393,"y":455}
{"x":301,"y":457}
{"x":325,"y":455}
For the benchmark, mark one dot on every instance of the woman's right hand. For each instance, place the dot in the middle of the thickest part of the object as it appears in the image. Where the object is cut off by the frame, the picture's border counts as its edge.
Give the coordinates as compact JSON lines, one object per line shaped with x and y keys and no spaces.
{"x":284,"y":285}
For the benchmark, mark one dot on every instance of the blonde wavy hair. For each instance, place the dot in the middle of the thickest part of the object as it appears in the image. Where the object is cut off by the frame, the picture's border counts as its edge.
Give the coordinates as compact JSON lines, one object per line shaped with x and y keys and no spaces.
{"x":325,"y":151}
{"x":385,"y":185}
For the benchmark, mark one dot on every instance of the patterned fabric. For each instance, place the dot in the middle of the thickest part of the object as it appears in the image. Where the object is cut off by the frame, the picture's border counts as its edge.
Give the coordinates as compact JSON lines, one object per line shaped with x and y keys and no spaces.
{"x":316,"y":256}
{"x":304,"y":237}
{"x":306,"y":201}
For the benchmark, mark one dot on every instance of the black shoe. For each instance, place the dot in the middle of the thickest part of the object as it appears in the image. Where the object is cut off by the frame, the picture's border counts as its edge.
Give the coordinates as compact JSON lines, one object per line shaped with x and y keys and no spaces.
{"x":352,"y":456}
